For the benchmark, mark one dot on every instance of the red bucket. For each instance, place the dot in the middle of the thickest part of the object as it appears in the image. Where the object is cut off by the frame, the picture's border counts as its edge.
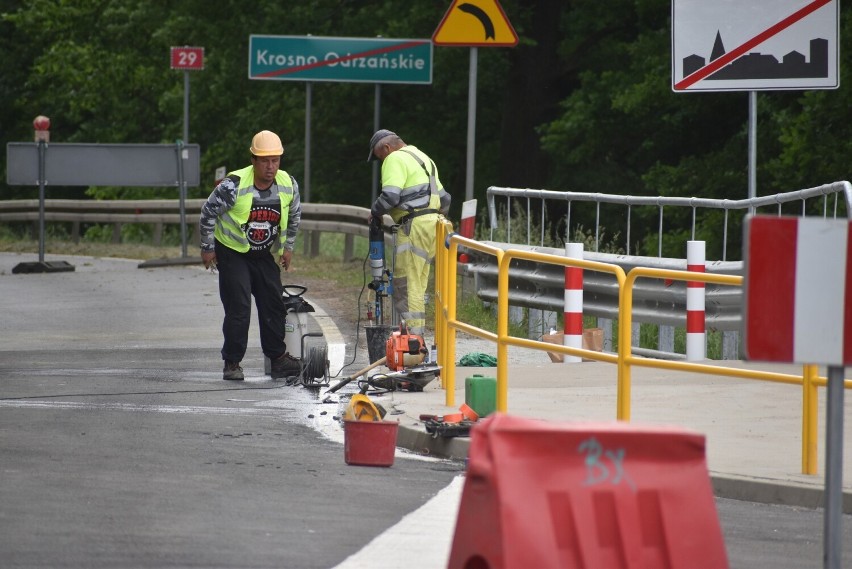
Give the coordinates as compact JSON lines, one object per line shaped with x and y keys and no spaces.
{"x":369,"y":443}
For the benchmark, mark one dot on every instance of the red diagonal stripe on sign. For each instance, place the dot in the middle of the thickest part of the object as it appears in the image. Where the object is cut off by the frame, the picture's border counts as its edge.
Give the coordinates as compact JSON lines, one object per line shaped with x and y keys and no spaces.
{"x":377,"y":51}
{"x":719,"y":63}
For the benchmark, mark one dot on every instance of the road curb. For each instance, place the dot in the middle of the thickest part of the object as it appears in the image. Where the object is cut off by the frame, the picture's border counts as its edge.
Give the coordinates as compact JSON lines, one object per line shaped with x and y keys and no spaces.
{"x":773,"y":492}
{"x":425,"y":444}
{"x":765,"y":491}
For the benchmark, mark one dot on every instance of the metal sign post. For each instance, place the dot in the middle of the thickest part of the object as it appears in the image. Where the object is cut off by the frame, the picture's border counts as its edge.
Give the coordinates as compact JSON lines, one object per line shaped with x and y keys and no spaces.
{"x":752,"y":146}
{"x":471,"y":123}
{"x":377,"y":110}
{"x":309,"y":102}
{"x":42,"y":136}
{"x":186,"y":106}
{"x":833,"y":523}
{"x":182,"y":194}
{"x":41,"y":149}
{"x":188,"y":59}
{"x":468,"y":25}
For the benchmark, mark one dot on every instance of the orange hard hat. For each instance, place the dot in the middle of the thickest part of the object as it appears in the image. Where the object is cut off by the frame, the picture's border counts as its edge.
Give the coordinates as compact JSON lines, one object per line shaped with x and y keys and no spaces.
{"x":266,"y":143}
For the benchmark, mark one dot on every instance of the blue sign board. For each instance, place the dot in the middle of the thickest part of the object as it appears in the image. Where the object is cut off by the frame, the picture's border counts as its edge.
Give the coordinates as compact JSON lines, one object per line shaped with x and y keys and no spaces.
{"x":357,"y":60}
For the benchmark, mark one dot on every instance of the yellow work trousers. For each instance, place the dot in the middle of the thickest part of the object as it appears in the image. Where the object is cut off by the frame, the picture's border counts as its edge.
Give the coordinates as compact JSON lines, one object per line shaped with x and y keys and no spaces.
{"x":415,"y":251}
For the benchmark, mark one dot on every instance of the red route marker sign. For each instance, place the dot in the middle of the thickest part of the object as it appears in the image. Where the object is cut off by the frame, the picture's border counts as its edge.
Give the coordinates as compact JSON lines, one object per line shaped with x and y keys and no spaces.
{"x":187,"y":58}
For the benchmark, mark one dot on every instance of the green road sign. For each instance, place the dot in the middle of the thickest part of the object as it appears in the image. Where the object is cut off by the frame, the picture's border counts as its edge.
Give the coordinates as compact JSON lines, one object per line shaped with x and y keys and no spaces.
{"x":360,"y":60}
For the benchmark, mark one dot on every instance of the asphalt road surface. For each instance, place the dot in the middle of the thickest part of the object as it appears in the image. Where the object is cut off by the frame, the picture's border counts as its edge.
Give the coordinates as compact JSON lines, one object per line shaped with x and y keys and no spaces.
{"x":121,"y":447}
{"x":152,"y":463}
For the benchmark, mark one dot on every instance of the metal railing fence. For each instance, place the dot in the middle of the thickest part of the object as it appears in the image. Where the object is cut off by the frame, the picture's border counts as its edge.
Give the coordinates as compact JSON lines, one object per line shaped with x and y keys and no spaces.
{"x":541,"y":286}
{"x":837,"y":190}
{"x":447,"y":325}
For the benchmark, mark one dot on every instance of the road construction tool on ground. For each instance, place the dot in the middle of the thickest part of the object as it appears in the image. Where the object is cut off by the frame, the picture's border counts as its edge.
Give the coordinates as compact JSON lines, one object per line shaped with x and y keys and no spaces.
{"x":356,"y":375}
{"x":312,"y":354}
{"x":407,"y":357}
{"x":411,"y":368}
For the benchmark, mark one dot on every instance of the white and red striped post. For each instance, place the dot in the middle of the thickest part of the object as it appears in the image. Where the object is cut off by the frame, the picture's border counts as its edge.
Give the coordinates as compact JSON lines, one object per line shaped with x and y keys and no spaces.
{"x":573,"y":326}
{"x":466,"y":227}
{"x":695,"y":315}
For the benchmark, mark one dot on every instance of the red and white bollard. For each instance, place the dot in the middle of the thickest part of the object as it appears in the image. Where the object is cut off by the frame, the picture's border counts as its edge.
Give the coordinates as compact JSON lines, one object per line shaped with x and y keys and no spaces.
{"x":573,"y":326}
{"x":466,"y":226}
{"x":695,"y":331}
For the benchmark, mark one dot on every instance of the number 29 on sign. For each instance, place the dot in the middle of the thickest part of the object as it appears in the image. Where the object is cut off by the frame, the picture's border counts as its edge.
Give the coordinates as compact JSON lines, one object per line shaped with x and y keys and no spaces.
{"x":187,"y":57}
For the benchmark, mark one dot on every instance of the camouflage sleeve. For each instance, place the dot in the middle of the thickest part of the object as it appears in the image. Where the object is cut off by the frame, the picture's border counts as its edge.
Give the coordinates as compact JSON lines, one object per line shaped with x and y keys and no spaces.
{"x":222,"y":198}
{"x":294,"y":217}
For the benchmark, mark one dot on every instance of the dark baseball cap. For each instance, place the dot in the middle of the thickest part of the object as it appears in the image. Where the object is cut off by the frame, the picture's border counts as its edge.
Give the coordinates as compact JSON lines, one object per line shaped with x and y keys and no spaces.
{"x":379,"y":134}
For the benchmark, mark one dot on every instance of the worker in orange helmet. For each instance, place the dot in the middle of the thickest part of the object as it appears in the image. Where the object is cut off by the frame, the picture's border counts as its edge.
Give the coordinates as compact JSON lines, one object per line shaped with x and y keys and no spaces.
{"x":248,"y":228}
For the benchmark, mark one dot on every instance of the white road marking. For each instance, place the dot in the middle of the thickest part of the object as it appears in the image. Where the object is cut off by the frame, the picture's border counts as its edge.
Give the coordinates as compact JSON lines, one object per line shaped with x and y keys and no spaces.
{"x":420,"y":540}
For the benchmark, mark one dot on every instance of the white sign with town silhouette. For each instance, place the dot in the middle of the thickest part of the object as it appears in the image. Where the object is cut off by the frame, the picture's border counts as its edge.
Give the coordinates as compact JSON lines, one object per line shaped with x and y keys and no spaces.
{"x":731,"y":45}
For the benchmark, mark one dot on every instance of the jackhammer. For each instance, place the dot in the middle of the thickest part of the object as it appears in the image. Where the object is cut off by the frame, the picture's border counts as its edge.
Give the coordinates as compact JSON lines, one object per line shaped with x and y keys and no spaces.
{"x":381,"y":288}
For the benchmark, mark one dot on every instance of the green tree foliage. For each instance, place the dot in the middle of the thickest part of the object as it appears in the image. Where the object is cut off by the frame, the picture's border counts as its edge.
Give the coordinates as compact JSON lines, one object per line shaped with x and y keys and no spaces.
{"x":623,"y":130}
{"x":583,"y":103}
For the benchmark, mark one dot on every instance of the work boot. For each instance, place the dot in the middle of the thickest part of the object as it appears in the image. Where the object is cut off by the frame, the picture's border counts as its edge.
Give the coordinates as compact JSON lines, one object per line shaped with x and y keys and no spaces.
{"x":233,"y":371}
{"x":285,"y":365}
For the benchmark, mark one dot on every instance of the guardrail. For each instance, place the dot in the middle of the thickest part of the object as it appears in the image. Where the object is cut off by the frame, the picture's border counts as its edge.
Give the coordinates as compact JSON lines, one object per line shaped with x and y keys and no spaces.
{"x":658,"y":301}
{"x":534,"y":286}
{"x":447,"y":325}
{"x":542,"y":287}
{"x":316,"y":218}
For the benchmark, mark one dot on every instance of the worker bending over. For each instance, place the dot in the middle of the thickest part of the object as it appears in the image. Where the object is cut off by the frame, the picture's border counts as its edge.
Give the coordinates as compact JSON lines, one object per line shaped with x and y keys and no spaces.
{"x":413,"y":196}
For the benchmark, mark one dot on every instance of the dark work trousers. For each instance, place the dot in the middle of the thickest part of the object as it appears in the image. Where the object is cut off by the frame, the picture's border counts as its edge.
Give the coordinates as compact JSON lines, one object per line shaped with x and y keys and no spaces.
{"x":242,"y":276}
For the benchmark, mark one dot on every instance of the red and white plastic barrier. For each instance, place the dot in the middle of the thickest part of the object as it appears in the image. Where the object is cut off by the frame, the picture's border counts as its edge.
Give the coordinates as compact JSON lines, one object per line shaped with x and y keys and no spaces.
{"x":579,"y":495}
{"x":573,"y":316}
{"x":695,"y":311}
